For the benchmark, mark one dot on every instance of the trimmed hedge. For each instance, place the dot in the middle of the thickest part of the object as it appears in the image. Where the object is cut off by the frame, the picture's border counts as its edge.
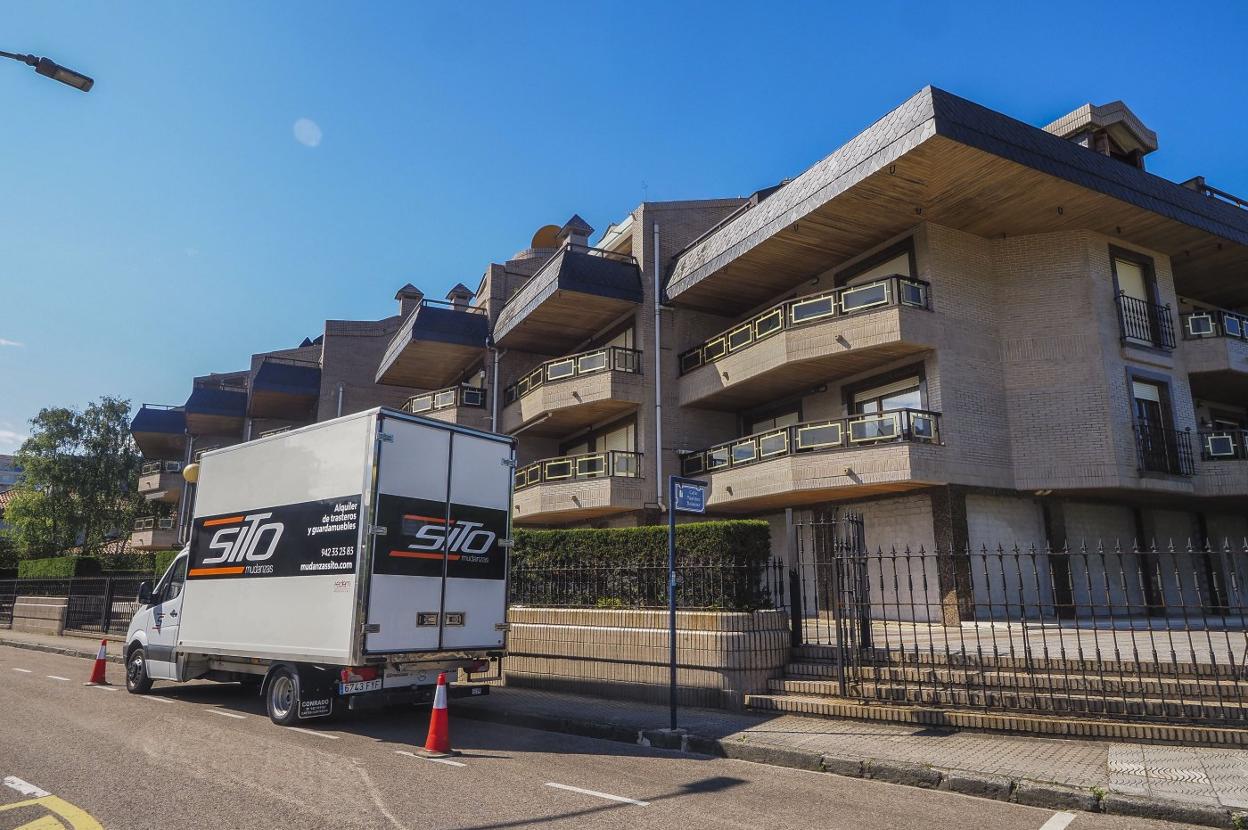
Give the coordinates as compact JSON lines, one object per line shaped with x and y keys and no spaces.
{"x":720,"y":565}
{"x":58,"y":567}
{"x":163,"y":559}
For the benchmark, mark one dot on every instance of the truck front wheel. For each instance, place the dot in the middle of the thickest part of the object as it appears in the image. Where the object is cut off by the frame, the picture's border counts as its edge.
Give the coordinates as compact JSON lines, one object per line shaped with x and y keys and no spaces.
{"x":137,"y":681}
{"x":282,"y":696}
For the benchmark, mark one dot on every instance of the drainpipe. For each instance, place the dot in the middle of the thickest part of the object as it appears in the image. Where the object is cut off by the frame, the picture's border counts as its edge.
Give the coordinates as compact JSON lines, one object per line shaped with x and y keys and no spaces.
{"x":494,"y":391}
{"x":659,"y":490}
{"x":339,"y":399}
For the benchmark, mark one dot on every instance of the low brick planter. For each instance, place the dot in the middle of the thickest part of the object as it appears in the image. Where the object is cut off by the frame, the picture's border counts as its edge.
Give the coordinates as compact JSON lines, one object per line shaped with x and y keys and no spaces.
{"x":721,"y":656}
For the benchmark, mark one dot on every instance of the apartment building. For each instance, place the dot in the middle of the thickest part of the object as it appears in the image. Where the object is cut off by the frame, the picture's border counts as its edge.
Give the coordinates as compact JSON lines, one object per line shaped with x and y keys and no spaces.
{"x":10,"y":473}
{"x":969,"y":330}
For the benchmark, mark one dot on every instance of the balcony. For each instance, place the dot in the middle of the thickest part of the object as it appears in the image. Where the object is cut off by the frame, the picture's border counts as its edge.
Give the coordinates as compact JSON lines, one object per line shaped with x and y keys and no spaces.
{"x":1224,"y":464}
{"x":578,"y":487}
{"x":792,"y":345}
{"x":572,"y":392}
{"x":577,"y":293}
{"x":159,"y":430}
{"x":217,"y":407}
{"x":161,"y":481}
{"x":841,"y":458}
{"x":435,"y":345}
{"x":1145,"y":324}
{"x":1215,"y":350}
{"x":1165,"y":451}
{"x":285,"y":388}
{"x":464,"y":405}
{"x":151,"y":533}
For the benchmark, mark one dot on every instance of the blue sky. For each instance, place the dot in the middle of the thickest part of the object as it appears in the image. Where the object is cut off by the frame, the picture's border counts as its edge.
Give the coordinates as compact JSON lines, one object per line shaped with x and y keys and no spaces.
{"x":170,"y":223}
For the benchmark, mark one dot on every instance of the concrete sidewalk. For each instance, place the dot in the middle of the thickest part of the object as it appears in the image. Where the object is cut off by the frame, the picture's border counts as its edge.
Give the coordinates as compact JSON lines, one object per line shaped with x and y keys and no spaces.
{"x":1194,"y":785}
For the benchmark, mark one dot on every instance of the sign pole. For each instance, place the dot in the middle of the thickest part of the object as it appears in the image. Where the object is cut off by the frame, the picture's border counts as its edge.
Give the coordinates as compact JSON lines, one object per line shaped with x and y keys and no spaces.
{"x":671,"y":593}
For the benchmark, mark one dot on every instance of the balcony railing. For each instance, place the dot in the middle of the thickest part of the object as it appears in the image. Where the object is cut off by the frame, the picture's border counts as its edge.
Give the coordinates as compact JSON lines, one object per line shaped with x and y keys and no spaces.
{"x":1224,"y":444}
{"x":606,"y":359}
{"x":447,"y":398}
{"x":608,"y":463}
{"x":1199,"y":325}
{"x":801,"y":311}
{"x":1145,"y":322}
{"x":152,"y":467}
{"x":888,"y":427}
{"x":275,"y":431}
{"x":1163,"y":450}
{"x":153,"y":523}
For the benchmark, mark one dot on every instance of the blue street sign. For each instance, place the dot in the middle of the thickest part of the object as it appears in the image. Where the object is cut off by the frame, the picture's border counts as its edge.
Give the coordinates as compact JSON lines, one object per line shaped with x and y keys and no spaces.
{"x":689,"y":496}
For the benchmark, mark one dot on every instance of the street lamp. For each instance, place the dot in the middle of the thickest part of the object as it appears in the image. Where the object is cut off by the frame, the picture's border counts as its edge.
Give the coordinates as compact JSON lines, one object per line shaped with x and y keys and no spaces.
{"x":52,"y":69}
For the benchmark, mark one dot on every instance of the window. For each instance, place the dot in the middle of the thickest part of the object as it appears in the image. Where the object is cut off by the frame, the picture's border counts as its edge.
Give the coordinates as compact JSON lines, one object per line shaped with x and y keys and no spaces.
{"x":894,"y":260}
{"x":1154,"y":425}
{"x":773,"y":419}
{"x":1143,"y":320}
{"x":902,"y":394}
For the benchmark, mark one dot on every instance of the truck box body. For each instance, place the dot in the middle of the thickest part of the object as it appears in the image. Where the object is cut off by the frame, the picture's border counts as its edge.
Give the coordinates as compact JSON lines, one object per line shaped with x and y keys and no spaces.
{"x":376,"y":534}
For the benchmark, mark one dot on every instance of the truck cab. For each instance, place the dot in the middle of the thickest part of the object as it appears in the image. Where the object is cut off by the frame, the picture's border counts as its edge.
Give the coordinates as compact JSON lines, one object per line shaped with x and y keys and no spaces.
{"x":152,"y":638}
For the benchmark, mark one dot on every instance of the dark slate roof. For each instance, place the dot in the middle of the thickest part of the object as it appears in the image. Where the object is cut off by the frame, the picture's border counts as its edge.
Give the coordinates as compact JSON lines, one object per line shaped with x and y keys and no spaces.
{"x":933,"y":112}
{"x":206,"y":400}
{"x":570,"y":269}
{"x":149,"y":419}
{"x":288,"y":378}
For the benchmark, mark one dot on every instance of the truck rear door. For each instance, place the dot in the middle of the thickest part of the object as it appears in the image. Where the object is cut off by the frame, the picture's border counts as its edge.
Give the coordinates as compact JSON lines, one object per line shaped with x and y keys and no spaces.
{"x":439,"y":570}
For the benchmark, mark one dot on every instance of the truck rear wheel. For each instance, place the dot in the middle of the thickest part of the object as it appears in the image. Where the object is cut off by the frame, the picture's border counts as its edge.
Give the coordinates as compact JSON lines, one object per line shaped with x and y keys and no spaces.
{"x":282,"y":696}
{"x":137,"y":681}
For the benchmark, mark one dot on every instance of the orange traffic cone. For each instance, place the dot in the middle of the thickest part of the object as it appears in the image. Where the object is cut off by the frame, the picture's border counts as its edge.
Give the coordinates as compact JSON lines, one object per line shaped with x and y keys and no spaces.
{"x":439,"y":739}
{"x":97,"y":671}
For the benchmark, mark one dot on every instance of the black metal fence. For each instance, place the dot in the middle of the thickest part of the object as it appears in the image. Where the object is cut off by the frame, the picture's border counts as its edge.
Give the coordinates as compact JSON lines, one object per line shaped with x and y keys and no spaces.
{"x":1109,"y":631}
{"x":96,"y":605}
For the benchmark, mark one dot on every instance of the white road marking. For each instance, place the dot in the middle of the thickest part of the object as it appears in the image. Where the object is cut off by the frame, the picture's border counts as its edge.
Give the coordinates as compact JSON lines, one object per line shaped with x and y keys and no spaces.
{"x":105,"y":688}
{"x":624,"y":800}
{"x":56,"y":677}
{"x":23,"y":671}
{"x":24,"y":787}
{"x":313,"y":732}
{"x":446,"y":761}
{"x":227,"y":714}
{"x":1058,"y":821}
{"x":157,"y":699}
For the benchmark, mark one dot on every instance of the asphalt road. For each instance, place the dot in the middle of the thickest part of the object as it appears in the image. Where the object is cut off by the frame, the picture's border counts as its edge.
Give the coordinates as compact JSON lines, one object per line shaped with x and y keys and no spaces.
{"x":205,"y":755}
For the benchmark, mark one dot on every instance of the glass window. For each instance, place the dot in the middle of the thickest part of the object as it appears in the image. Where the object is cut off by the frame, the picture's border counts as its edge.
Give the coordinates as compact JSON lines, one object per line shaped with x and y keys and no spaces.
{"x":899,"y":264}
{"x":904,"y":394}
{"x":773,"y":420}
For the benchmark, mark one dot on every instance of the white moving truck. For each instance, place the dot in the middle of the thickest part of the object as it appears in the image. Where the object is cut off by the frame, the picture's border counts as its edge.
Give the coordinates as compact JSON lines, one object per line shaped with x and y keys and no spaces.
{"x":345,"y":563}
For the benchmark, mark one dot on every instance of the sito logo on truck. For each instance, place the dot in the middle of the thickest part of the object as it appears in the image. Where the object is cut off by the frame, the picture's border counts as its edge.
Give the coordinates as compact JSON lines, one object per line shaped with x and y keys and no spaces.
{"x":310,"y":538}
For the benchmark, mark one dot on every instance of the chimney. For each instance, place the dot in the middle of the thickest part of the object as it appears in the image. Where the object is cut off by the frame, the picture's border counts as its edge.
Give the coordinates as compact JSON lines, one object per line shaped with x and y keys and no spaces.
{"x":409,"y":297}
{"x":459,"y":295}
{"x":1109,"y":129}
{"x":575,"y":232}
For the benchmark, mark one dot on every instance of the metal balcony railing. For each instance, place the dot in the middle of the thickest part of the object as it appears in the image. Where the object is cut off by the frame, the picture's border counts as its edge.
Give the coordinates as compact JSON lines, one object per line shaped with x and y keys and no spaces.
{"x":1145,"y":322}
{"x":605,"y":359}
{"x":1199,"y":325}
{"x":887,"y":427}
{"x":152,"y":467}
{"x":274,"y":431}
{"x":447,"y":398}
{"x":608,"y":463}
{"x":153,"y":523}
{"x":801,"y":311}
{"x":1164,"y":450}
{"x":1224,"y":444}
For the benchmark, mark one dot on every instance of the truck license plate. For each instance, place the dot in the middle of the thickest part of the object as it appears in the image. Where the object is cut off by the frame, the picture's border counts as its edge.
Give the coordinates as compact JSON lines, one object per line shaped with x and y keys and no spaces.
{"x":359,"y":686}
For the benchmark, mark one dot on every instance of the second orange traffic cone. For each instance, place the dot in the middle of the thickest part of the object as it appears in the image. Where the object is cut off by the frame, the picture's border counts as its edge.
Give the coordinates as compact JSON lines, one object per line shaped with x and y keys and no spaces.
{"x":439,"y":739}
{"x":97,"y":671}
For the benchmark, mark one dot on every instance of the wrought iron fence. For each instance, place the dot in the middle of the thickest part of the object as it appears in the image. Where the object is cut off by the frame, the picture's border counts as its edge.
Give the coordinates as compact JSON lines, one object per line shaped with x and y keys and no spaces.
{"x":605,"y":359}
{"x":95,"y":605}
{"x":1145,"y":322}
{"x":1152,"y":633}
{"x":1163,"y":450}
{"x":811,"y":308}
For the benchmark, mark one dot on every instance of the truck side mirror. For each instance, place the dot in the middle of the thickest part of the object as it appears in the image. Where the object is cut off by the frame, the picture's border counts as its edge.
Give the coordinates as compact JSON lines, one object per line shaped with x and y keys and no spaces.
{"x":145,"y":593}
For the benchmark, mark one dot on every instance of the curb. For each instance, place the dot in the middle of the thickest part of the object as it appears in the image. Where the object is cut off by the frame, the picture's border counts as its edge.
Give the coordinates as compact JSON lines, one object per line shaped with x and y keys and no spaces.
{"x":62,"y":650}
{"x":980,"y":785}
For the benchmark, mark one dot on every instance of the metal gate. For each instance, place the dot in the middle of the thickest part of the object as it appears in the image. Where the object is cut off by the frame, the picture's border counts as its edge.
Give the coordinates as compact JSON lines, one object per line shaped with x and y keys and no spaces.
{"x":831,"y":593}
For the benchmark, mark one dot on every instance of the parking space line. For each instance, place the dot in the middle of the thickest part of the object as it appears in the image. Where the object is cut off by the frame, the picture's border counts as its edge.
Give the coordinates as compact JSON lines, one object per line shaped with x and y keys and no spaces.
{"x":623,"y":800}
{"x":1058,"y":821}
{"x":105,"y":688}
{"x":23,"y":671}
{"x":227,"y":714}
{"x":314,"y":732}
{"x":446,"y":761}
{"x":56,"y":677}
{"x":155,"y":699}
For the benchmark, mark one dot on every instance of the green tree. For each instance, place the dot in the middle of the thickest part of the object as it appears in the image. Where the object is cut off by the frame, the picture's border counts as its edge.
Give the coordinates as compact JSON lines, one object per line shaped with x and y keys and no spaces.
{"x":80,"y":477}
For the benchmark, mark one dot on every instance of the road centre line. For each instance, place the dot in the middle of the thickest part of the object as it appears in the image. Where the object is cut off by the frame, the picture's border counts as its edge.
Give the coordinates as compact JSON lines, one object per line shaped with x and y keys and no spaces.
{"x":634,"y":801}
{"x":227,"y":714}
{"x":314,"y":732}
{"x":1058,"y":821}
{"x":56,"y":677}
{"x":24,"y":787}
{"x":23,"y":671}
{"x":446,"y":761}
